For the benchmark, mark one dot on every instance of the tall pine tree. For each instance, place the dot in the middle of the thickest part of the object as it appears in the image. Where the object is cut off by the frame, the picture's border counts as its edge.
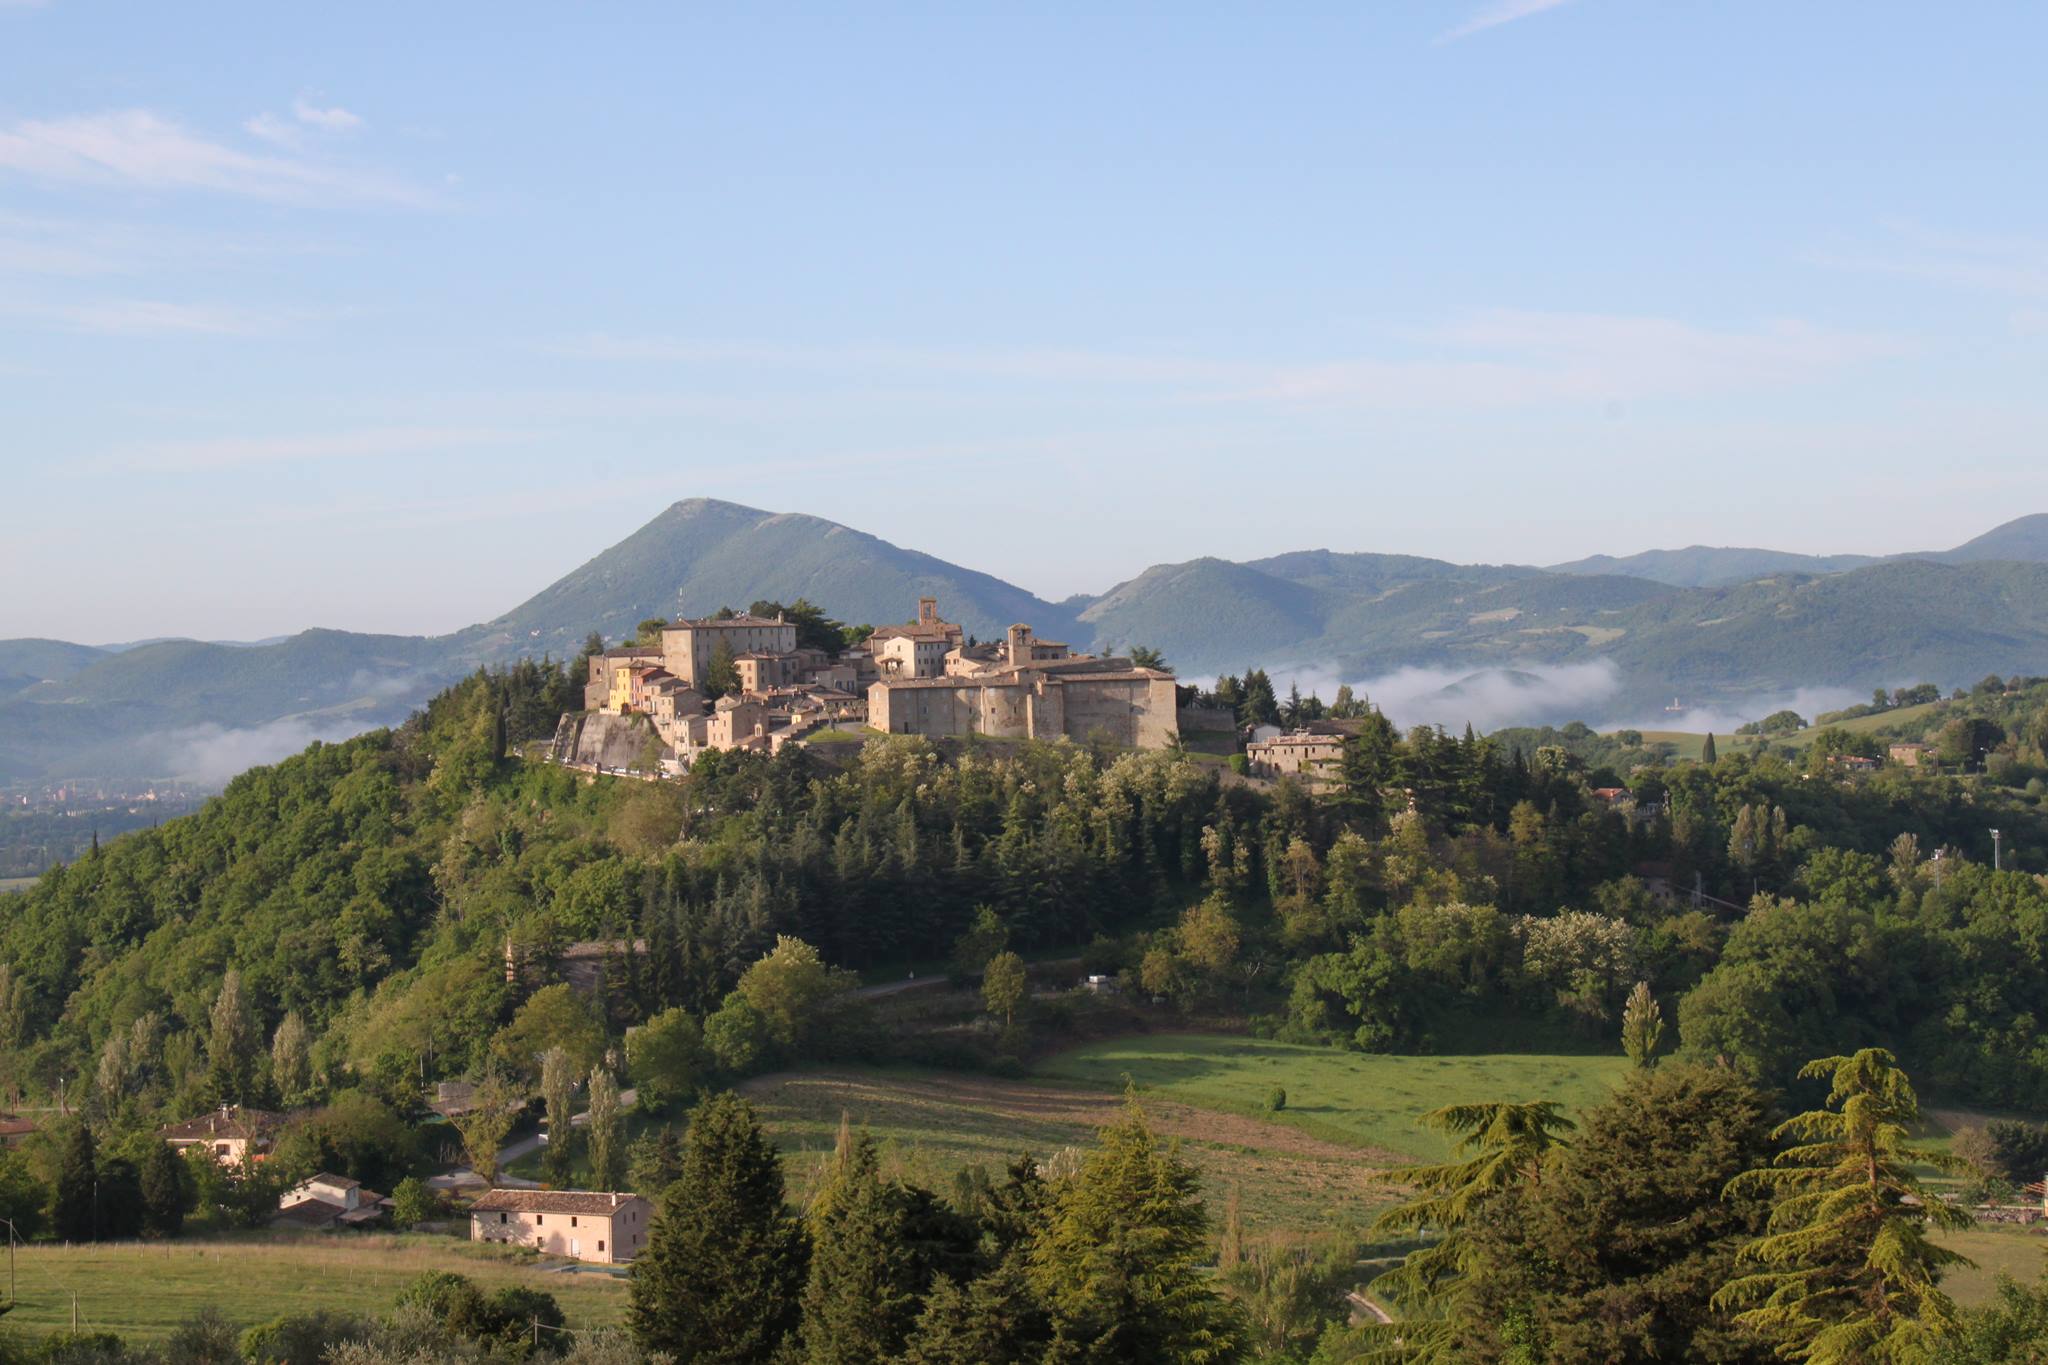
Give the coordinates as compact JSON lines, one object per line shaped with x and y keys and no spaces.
{"x":862,"y":1294}
{"x":1118,"y":1265}
{"x":720,"y":1281}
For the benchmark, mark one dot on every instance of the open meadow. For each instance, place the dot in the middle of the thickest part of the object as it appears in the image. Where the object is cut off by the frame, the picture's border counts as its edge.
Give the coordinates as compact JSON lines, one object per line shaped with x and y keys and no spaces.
{"x":143,"y":1290}
{"x":932,"y":1124}
{"x":1998,"y":1250}
{"x":1348,"y":1115}
{"x":1365,"y":1098}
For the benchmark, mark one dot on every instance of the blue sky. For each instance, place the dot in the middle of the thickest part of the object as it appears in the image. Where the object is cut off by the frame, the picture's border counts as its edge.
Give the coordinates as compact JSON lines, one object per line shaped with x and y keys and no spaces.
{"x":384,"y":316}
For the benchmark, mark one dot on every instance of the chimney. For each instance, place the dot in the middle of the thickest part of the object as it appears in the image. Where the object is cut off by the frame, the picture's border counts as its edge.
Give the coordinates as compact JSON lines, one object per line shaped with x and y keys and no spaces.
{"x":615,"y":1198}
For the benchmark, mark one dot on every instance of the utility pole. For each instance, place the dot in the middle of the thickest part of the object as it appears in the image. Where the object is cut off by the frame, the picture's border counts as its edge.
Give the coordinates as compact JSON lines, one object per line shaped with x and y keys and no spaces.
{"x":1997,"y":851}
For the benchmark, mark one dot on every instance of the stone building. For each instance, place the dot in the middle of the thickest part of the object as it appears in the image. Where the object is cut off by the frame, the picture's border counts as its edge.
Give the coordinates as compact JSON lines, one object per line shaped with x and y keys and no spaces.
{"x":1028,"y":688}
{"x":230,"y":1133}
{"x":688,"y":647}
{"x":1315,"y":758}
{"x":919,"y":648}
{"x":607,"y":1227}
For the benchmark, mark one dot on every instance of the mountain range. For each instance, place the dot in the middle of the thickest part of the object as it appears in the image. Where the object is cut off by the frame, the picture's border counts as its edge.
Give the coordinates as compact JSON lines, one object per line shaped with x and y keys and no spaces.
{"x":1732,"y":628}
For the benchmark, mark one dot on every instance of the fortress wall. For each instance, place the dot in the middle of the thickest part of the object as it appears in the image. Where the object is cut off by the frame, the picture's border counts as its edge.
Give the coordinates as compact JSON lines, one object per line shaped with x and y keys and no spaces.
{"x":601,"y":740}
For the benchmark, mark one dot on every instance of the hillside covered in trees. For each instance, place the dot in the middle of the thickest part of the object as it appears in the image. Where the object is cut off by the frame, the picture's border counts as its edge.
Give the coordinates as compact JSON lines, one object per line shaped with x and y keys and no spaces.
{"x":334,"y":931}
{"x":370,"y":890}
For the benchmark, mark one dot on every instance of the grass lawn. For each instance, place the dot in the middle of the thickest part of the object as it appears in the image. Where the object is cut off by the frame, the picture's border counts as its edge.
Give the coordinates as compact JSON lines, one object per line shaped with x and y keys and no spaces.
{"x":1997,"y":1250}
{"x":8,"y":884}
{"x":833,"y":735}
{"x":144,"y":1290}
{"x":1345,"y":1096}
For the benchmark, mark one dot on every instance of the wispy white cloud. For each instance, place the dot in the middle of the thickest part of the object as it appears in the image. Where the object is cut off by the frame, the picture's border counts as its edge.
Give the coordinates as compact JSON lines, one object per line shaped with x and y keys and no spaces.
{"x":1491,"y":359}
{"x":2012,"y":266}
{"x":134,"y":147}
{"x":199,"y":456}
{"x":1498,"y":13}
{"x":333,"y":119}
{"x":997,"y":363}
{"x":291,"y":132}
{"x":1506,"y":358}
{"x":151,"y":317}
{"x":272,"y":129}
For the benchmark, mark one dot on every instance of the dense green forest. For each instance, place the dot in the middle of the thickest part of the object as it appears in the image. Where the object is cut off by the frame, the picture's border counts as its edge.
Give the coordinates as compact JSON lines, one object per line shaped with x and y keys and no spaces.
{"x":333,"y":931}
{"x":370,"y":889}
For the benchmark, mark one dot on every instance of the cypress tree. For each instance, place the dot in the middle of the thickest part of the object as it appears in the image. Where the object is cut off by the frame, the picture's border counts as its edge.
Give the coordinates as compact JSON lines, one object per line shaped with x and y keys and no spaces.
{"x":724,"y":1267}
{"x":76,"y":1208}
{"x":1642,"y":1026}
{"x":163,"y":1191}
{"x":862,"y":1294}
{"x":1707,"y":751}
{"x":122,"y":1211}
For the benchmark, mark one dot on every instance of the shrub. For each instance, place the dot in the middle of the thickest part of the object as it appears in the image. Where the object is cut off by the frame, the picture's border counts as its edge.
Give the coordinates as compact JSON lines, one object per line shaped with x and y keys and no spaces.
{"x":302,"y":1338}
{"x":1277,"y":1101}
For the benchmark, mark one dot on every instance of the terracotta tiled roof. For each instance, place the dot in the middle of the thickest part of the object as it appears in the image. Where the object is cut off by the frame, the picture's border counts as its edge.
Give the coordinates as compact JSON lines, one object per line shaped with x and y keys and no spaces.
{"x":229,"y":1122}
{"x":312,"y":1213}
{"x":550,"y":1201}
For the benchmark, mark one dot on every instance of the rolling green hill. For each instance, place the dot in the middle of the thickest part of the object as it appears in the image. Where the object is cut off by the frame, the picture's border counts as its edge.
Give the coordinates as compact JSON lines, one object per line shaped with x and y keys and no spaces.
{"x":1708,"y":566}
{"x":24,"y":663}
{"x":2024,"y":539}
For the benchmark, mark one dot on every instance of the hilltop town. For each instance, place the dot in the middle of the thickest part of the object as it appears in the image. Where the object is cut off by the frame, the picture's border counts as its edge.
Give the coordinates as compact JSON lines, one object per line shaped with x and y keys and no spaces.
{"x":741,"y":681}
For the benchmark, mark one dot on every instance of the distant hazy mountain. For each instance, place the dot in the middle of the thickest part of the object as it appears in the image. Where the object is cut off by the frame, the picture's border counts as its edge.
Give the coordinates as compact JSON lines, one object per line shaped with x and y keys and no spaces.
{"x":702,"y":554}
{"x":155,"y":709}
{"x":1654,"y":625}
{"x":2025,"y":538}
{"x":1707,"y":566}
{"x":24,"y":663}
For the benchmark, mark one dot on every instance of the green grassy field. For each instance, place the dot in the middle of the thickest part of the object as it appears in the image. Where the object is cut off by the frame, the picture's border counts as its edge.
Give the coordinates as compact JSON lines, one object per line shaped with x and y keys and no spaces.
{"x":1687,"y":744}
{"x":1997,"y":1250}
{"x":1347,"y":1096}
{"x":932,"y":1124}
{"x":8,"y":884}
{"x":142,"y":1291}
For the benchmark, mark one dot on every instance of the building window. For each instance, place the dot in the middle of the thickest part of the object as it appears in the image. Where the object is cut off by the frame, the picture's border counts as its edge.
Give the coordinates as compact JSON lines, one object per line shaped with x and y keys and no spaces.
{"x":600,"y":1245}
{"x":501,"y":1219}
{"x":539,"y":1218}
{"x":572,"y":1220}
